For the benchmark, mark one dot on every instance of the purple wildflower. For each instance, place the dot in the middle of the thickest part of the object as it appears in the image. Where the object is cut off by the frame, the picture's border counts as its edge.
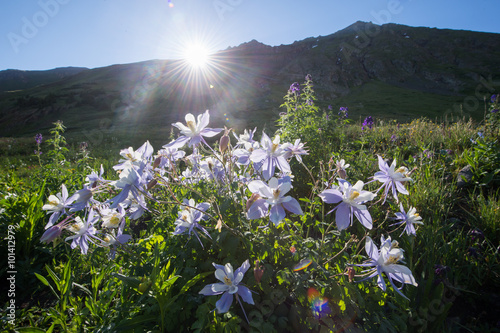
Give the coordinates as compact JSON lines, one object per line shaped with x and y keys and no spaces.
{"x":38,"y":138}
{"x":294,"y":88}
{"x":368,"y":123}
{"x":343,"y":113}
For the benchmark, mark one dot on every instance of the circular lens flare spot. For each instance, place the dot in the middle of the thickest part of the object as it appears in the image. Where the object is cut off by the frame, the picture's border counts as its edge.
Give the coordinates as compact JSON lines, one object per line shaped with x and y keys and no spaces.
{"x":319,"y":304}
{"x":303,"y":264}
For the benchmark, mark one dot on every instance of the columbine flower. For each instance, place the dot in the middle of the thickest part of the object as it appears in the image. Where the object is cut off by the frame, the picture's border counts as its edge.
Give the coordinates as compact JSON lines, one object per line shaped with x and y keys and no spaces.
{"x":271,"y":156}
{"x":351,"y":200}
{"x":113,"y":242}
{"x":130,"y":180}
{"x":296,"y":149}
{"x":245,"y":138}
{"x":83,"y":232}
{"x":112,"y":218}
{"x":190,"y":217}
{"x":409,"y":219}
{"x":385,"y":261}
{"x":391,"y":178}
{"x":57,"y":205}
{"x":341,"y":166}
{"x":194,"y":131}
{"x":230,"y":286}
{"x":271,"y":195}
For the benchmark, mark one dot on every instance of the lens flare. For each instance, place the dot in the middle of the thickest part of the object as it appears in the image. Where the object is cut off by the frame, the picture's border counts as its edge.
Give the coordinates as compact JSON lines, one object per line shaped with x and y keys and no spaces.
{"x":304,"y":263}
{"x":319,"y":304}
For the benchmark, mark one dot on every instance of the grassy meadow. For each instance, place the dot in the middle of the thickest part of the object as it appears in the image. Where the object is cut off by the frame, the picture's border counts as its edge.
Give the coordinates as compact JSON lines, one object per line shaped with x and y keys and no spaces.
{"x":303,"y":272}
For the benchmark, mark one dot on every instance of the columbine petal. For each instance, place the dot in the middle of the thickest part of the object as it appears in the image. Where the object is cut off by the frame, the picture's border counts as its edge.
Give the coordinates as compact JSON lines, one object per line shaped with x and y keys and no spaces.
{"x":342,"y":216}
{"x":246,"y":294}
{"x":224,"y":303}
{"x":364,"y":217}
{"x":371,"y":249}
{"x":293,"y":206}
{"x":331,"y":196}
{"x":277,"y":214}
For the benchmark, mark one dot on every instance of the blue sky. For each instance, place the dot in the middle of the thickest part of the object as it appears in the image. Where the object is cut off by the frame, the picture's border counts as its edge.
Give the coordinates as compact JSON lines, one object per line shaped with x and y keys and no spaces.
{"x":44,"y":34}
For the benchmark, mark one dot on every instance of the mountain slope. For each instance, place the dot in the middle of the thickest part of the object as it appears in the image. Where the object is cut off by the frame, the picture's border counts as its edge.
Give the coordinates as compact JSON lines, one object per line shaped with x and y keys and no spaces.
{"x":385,"y":71}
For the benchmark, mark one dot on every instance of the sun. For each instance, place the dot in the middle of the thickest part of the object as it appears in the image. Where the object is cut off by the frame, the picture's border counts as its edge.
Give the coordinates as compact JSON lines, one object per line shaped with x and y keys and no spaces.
{"x":197,"y":56}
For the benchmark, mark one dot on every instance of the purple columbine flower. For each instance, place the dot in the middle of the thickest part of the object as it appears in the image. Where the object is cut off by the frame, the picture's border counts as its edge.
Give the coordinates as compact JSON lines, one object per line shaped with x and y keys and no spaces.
{"x":189,"y":219}
{"x":385,"y":261}
{"x":229,"y":286}
{"x":57,"y":205}
{"x":83,"y":232}
{"x":494,"y":98}
{"x":270,"y":155}
{"x":351,"y":200}
{"x":272,"y":196}
{"x":392,"y":179}
{"x":194,"y":131}
{"x":408,"y":219}
{"x":296,"y":149}
{"x":113,"y":242}
{"x":367,"y":123}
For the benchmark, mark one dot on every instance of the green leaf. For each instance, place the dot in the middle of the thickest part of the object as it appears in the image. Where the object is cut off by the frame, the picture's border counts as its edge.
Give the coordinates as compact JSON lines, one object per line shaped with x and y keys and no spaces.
{"x":45,"y":282}
{"x":129,"y":281}
{"x":28,"y":330}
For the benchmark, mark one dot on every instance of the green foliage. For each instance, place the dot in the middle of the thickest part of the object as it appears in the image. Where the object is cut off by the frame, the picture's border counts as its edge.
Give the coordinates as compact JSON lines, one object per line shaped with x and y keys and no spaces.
{"x":153,"y":284}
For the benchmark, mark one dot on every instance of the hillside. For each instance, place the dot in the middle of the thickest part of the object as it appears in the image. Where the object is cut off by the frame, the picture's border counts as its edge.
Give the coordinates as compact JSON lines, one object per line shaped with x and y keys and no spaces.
{"x":388,"y":71}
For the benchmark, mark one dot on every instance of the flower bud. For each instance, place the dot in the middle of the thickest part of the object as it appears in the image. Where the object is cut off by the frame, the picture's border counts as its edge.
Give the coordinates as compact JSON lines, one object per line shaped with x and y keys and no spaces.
{"x":156,"y":163}
{"x":151,"y":184}
{"x":224,"y":140}
{"x":258,"y":271}
{"x":350,"y":273}
{"x":51,"y":234}
{"x":252,"y":200}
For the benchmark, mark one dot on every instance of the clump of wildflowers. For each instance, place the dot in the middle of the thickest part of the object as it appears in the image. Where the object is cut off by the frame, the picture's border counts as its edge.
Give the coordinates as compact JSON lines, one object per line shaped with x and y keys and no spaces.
{"x":367,"y":123}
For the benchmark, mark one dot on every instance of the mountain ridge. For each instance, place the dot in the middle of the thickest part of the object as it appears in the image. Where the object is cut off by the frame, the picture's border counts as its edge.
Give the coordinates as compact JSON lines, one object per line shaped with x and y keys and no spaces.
{"x":388,"y":70}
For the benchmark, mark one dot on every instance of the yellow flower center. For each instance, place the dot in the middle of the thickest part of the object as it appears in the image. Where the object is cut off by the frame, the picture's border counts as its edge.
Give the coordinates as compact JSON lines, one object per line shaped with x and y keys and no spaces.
{"x":274,"y":147}
{"x":107,"y":239}
{"x":191,"y":126}
{"x":53,"y":203}
{"x":227,"y":281}
{"x":416,"y":214}
{"x":354,"y":195}
{"x":392,"y":260}
{"x":276,"y":193}
{"x":401,"y":170}
{"x":114,"y":220}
